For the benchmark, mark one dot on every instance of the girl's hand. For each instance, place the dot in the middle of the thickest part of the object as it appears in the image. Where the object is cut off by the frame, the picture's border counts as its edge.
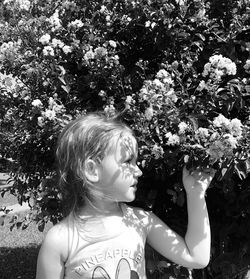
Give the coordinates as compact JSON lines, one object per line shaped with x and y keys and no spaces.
{"x":197,"y":180}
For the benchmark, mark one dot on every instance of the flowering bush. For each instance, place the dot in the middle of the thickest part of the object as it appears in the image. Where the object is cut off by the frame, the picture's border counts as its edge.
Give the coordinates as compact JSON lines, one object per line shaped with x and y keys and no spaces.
{"x":178,"y":74}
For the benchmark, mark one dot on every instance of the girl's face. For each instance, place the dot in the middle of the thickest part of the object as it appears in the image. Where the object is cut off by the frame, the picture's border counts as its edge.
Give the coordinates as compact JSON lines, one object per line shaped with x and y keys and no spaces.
{"x":119,"y":171}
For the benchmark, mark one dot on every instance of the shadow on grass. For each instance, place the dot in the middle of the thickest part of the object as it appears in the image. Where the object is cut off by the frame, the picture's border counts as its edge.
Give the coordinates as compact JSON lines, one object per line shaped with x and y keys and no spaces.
{"x":18,"y":262}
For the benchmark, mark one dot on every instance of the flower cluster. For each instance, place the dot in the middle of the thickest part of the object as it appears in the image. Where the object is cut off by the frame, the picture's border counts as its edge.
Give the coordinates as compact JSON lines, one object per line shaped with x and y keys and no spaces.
{"x":21,"y":4}
{"x":10,"y":84}
{"x":247,"y":66}
{"x":218,"y":141}
{"x":51,"y":45}
{"x":52,"y":113}
{"x":104,"y":53}
{"x":9,"y":50}
{"x":219,"y":66}
{"x":158,"y":93}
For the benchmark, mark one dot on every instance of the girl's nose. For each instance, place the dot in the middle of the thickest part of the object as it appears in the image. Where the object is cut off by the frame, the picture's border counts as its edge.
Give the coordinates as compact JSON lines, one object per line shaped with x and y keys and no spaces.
{"x":138,"y":171}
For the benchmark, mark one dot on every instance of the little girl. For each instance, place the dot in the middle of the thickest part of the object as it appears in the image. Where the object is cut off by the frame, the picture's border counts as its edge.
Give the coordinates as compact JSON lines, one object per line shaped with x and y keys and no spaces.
{"x":102,"y":236}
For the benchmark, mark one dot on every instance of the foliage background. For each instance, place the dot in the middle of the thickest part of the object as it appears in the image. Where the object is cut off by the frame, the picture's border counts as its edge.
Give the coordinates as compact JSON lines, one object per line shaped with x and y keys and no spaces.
{"x":144,"y":59}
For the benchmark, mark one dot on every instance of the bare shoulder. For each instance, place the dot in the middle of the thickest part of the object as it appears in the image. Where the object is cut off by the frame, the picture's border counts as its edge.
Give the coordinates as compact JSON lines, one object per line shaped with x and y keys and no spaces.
{"x":56,"y":239}
{"x":142,"y":214}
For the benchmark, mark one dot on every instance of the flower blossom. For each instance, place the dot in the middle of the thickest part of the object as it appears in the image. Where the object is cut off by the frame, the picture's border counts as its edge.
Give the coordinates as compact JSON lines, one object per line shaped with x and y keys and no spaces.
{"x":112,"y":43}
{"x":10,"y":49}
{"x":247,"y":66}
{"x":110,"y":110}
{"x":36,"y":103}
{"x":149,"y":113}
{"x":100,"y":52}
{"x":183,"y":127}
{"x":235,"y":127}
{"x":89,"y":55}
{"x":67,"y":49}
{"x":50,"y":114}
{"x":76,"y":23}
{"x":173,"y":139}
{"x":202,"y":134}
{"x":48,"y":51}
{"x":219,"y":66}
{"x":24,"y":5}
{"x":57,"y":43}
{"x":202,"y":85}
{"x":221,"y":121}
{"x":45,"y":39}
{"x":129,"y":99}
{"x":157,"y":151}
{"x":55,"y":21}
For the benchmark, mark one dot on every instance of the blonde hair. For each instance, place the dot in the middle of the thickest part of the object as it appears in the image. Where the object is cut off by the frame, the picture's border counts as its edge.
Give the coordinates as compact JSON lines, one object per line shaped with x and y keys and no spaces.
{"x":87,"y":137}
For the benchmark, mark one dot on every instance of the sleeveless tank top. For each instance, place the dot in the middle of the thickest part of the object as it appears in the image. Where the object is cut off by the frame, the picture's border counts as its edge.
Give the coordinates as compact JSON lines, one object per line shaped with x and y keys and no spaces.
{"x":108,"y":247}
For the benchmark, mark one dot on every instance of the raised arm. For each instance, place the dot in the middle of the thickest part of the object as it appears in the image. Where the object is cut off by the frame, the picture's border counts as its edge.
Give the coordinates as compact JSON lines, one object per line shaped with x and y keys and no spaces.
{"x":192,"y":251}
{"x":52,"y":255}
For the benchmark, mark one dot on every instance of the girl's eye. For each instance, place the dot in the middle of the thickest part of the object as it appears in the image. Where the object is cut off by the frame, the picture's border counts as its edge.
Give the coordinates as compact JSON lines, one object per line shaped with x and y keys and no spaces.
{"x":128,"y":161}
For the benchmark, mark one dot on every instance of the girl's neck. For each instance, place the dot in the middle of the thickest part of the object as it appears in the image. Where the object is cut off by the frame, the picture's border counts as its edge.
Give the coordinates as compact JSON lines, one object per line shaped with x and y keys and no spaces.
{"x":100,"y":208}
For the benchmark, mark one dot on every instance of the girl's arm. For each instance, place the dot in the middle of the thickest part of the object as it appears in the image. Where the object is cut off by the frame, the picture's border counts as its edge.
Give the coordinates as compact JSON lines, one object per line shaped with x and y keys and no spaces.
{"x":52,"y":254}
{"x":193,"y":251}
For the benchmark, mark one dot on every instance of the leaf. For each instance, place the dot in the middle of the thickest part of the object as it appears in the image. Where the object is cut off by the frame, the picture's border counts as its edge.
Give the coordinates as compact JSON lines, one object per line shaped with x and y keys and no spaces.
{"x":66,"y":88}
{"x":41,"y":225}
{"x":242,"y":168}
{"x":62,"y":80}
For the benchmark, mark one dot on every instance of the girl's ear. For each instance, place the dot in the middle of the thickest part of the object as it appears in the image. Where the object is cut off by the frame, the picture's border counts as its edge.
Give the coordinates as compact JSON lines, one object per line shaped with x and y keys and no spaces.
{"x":92,"y":171}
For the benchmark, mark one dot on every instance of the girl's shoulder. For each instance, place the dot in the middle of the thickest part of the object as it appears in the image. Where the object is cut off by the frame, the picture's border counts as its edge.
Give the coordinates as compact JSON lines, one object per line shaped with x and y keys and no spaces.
{"x":140,"y":213}
{"x":57,"y":239}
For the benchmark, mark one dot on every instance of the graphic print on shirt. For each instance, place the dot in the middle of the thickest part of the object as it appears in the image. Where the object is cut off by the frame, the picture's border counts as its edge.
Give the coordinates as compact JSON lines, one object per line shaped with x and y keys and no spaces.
{"x":123,"y":271}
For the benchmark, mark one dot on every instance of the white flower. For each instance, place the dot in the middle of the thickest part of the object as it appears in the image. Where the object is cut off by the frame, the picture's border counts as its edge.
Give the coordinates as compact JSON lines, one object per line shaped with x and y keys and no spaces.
{"x":24,"y":4}
{"x":202,"y":85}
{"x":48,"y":51}
{"x":171,"y":95}
{"x":219,"y":66}
{"x":158,"y":83}
{"x":149,"y":113}
{"x":157,"y":151}
{"x":76,"y":23}
{"x":36,"y":103}
{"x":162,"y":74}
{"x":230,"y":141}
{"x":153,"y":25}
{"x":55,"y":21}
{"x":247,"y":66}
{"x":129,"y":99}
{"x":89,"y":55}
{"x":103,"y":9}
{"x":173,"y":139}
{"x":50,"y":114}
{"x":216,"y":150}
{"x":112,"y":43}
{"x":45,"y":39}
{"x":100,"y":52}
{"x":110,"y":110}
{"x":202,"y":134}
{"x":235,"y":127}
{"x":57,"y":43}
{"x":102,"y":94}
{"x":41,"y":121}
{"x":220,"y":121}
{"x":183,"y":127}
{"x":67,"y":49}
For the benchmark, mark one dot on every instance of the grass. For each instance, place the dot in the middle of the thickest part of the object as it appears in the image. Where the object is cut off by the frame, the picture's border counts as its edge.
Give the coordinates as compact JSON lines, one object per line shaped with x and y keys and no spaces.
{"x":18,"y":248}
